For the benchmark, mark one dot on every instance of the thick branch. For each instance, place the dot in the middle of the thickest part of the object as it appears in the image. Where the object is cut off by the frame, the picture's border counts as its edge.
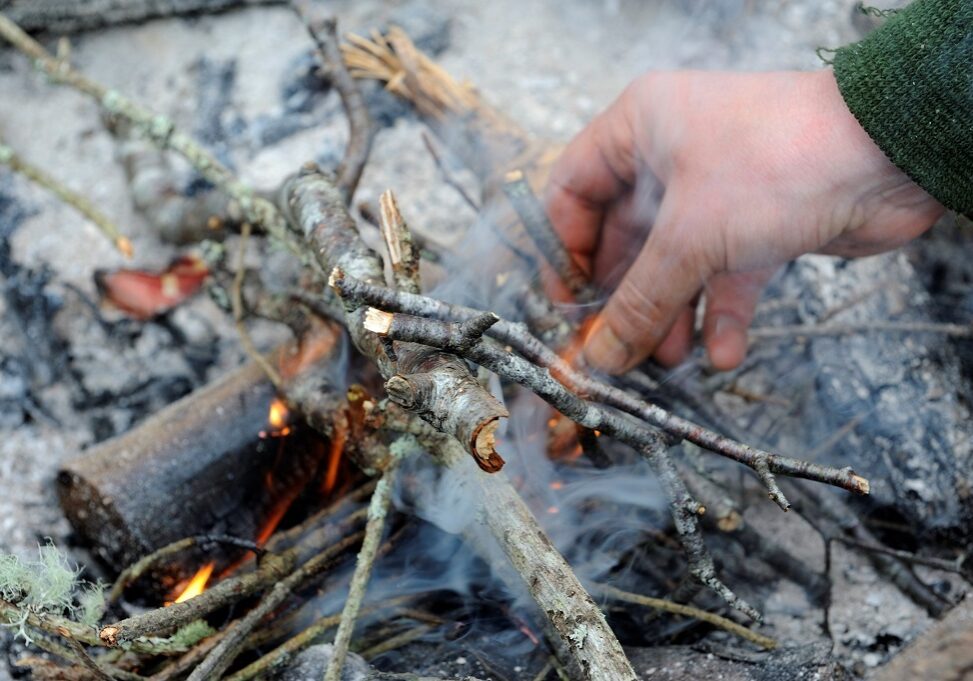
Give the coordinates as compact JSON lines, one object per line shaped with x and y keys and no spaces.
{"x":589,"y":644}
{"x":436,"y":385}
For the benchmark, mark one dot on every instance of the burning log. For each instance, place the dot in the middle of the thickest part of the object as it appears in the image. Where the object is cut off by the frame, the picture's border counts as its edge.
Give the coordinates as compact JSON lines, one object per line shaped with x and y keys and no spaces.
{"x":197,"y":467}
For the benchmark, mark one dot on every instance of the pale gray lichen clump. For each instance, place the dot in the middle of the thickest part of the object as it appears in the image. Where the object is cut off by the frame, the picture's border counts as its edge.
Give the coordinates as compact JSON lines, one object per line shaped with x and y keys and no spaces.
{"x":47,"y":585}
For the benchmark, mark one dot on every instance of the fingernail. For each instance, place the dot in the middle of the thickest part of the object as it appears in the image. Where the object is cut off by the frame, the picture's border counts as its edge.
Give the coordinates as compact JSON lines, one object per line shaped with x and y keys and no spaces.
{"x":603,"y":350}
{"x":728,"y":344}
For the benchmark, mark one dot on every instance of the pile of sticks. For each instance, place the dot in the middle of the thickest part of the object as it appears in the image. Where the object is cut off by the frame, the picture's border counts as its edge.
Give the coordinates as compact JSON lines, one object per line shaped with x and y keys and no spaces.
{"x":422,"y":348}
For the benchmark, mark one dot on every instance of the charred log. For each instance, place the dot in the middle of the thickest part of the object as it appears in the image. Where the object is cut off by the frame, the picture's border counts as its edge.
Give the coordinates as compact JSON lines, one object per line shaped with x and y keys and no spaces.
{"x":197,"y":467}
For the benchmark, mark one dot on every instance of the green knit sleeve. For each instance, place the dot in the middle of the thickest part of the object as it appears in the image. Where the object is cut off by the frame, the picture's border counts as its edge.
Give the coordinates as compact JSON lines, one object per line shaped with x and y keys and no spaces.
{"x":910,"y":85}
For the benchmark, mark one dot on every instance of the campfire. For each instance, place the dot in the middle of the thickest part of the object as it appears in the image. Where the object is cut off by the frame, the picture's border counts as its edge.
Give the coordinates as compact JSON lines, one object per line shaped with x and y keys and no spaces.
{"x":413,"y":472}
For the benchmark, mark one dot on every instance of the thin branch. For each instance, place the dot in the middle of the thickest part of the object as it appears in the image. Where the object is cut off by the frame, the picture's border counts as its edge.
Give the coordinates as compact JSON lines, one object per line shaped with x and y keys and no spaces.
{"x":377,"y":511}
{"x":236,"y":302}
{"x":325,"y":35}
{"x":139,"y":568}
{"x":84,"y":657}
{"x":446,"y":174}
{"x":516,"y":337}
{"x":540,"y":230}
{"x":272,"y":569}
{"x":765,"y":333}
{"x":685,"y":610}
{"x":907,"y":556}
{"x":161,"y":131}
{"x":70,"y":16}
{"x":226,"y":651}
{"x":12,"y":160}
{"x":685,"y":512}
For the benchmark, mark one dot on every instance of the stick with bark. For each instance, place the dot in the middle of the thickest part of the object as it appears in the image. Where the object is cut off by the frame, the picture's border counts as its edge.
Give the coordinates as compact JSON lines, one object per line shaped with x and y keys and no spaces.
{"x":71,"y":16}
{"x":590,"y":648}
{"x":436,"y":385}
{"x":324,"y":33}
{"x":12,"y":160}
{"x":545,"y":360}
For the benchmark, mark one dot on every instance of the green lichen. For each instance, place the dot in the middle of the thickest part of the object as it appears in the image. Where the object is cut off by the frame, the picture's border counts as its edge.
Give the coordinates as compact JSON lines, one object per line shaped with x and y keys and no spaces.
{"x":191,"y":634}
{"x":91,"y":605}
{"x":578,"y":635}
{"x":48,"y":585}
{"x":405,"y":445}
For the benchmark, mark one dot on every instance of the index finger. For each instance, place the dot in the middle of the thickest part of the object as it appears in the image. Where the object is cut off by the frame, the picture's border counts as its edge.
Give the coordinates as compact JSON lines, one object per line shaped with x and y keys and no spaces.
{"x":597,"y":167}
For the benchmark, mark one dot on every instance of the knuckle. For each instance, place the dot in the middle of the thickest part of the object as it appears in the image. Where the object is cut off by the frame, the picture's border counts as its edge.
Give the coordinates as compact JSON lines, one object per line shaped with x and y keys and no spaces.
{"x":636,"y":311}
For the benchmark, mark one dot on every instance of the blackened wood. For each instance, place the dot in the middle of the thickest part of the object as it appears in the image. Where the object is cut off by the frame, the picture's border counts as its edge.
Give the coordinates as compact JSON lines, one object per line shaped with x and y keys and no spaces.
{"x":199,"y":466}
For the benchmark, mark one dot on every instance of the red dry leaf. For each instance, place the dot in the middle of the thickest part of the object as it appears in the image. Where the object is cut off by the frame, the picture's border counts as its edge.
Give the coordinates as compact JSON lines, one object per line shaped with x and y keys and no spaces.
{"x":143,"y":295}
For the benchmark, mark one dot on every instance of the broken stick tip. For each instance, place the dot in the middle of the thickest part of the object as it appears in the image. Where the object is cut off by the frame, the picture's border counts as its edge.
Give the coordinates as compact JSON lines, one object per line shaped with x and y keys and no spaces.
{"x":124,"y":246}
{"x":336,"y":277}
{"x":109,"y":635}
{"x":377,"y":321}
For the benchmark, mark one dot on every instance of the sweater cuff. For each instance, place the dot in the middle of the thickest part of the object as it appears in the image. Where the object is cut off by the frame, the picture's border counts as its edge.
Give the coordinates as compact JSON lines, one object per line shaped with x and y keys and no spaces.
{"x":910,"y":85}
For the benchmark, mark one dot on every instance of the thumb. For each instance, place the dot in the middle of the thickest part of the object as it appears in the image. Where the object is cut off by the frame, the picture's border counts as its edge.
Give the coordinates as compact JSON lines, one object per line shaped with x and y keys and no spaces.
{"x":662,"y":281}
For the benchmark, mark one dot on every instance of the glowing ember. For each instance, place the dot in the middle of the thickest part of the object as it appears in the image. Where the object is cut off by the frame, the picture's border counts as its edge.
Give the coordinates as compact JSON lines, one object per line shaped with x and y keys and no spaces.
{"x":277,"y":418}
{"x":557,"y":484}
{"x":197,"y":584}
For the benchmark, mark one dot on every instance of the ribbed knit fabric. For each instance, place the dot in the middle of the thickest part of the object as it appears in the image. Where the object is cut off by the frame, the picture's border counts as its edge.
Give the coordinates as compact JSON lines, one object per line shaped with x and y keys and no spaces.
{"x":910,"y":85}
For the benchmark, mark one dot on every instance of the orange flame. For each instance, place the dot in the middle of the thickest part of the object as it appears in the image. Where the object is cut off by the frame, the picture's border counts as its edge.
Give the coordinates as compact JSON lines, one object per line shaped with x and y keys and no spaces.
{"x":277,"y":418}
{"x":334,"y":458}
{"x":197,"y":584}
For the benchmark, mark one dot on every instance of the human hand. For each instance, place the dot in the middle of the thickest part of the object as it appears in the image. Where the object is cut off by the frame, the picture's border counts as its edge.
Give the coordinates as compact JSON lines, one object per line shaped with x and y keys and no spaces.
{"x":753,"y":170}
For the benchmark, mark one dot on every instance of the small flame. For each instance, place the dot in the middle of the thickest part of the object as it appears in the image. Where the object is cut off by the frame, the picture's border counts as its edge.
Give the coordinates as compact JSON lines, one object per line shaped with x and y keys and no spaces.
{"x":197,"y":584}
{"x":334,"y":458}
{"x":277,"y":418}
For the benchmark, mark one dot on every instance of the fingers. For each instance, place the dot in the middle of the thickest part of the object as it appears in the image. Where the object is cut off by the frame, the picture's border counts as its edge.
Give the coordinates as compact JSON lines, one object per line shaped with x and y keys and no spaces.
{"x":656,"y":289}
{"x":731,"y":300}
{"x":597,"y":167}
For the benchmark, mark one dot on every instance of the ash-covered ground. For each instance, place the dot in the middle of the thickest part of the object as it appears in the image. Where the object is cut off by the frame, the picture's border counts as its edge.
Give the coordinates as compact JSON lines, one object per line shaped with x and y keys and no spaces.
{"x":73,"y":374}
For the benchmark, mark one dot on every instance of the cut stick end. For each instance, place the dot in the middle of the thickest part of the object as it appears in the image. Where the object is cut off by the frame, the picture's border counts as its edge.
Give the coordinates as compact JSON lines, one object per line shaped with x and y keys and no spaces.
{"x":377,"y":321}
{"x":484,"y":446}
{"x":336,"y":277}
{"x":109,"y":636}
{"x":860,"y":485}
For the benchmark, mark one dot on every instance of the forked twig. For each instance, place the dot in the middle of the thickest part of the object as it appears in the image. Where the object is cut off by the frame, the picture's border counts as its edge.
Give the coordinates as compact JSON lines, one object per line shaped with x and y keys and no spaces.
{"x":545,"y":365}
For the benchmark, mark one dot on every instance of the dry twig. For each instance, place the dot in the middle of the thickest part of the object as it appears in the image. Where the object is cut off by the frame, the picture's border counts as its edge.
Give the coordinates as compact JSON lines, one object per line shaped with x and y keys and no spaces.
{"x":377,"y":511}
{"x":12,"y":160}
{"x":325,"y":35}
{"x":543,"y":365}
